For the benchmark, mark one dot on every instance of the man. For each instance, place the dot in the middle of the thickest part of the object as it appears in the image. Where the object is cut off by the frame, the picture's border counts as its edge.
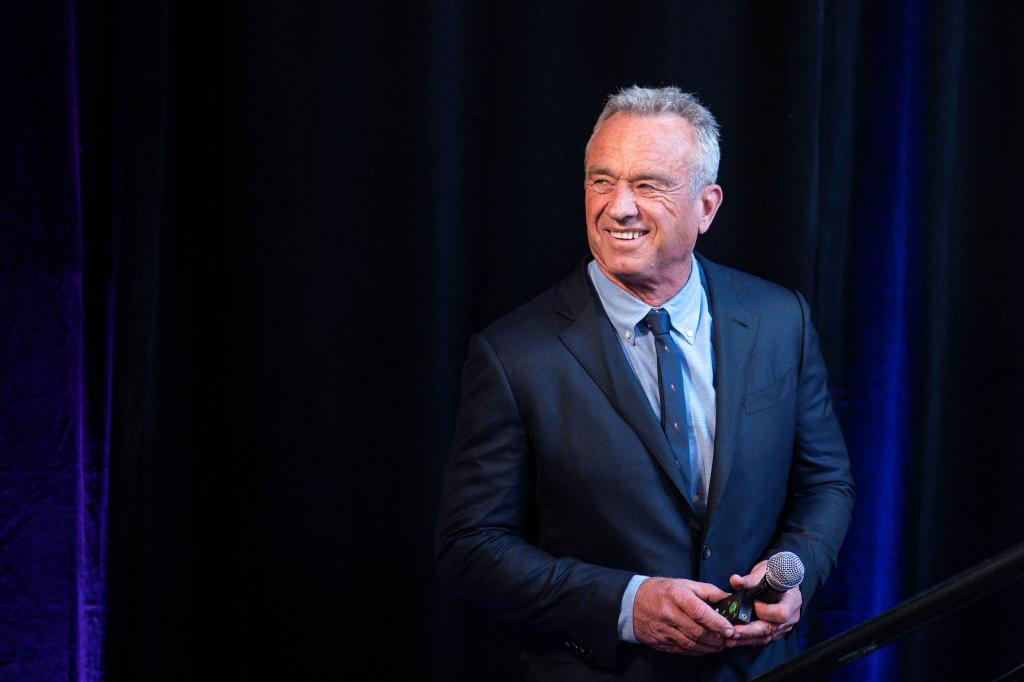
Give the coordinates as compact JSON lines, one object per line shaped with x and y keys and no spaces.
{"x":636,"y":436}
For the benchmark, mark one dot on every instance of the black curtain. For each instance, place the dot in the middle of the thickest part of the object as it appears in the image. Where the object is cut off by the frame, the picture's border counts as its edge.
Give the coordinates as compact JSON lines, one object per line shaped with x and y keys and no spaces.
{"x":308,"y":208}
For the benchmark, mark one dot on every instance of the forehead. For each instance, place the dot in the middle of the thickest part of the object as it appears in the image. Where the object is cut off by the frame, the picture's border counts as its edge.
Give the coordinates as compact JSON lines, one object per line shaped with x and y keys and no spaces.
{"x":626,"y":141}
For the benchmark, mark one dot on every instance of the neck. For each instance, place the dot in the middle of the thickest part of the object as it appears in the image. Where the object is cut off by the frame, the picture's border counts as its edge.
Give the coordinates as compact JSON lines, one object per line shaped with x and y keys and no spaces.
{"x":653,"y":293}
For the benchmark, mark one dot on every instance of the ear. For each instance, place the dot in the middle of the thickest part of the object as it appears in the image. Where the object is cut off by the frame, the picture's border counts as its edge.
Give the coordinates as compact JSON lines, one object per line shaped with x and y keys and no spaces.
{"x":710,"y":199}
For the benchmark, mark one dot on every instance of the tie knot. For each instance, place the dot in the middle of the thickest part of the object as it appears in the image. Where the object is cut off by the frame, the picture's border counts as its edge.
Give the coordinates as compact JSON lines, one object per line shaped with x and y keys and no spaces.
{"x":658,"y":321}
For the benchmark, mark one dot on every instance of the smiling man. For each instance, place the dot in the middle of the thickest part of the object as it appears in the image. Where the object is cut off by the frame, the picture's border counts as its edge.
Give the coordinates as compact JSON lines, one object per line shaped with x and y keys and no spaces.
{"x":644,"y":212}
{"x":639,"y":439}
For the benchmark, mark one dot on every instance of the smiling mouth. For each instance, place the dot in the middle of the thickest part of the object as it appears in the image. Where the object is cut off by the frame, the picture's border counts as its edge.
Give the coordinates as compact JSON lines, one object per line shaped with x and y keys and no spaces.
{"x":626,"y":235}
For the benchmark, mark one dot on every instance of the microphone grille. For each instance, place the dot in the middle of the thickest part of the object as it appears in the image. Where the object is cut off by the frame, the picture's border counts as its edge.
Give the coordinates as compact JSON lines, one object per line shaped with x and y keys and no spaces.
{"x":785,"y":571}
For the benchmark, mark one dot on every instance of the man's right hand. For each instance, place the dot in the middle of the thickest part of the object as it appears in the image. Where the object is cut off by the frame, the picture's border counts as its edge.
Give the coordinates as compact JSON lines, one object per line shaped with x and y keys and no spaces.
{"x":673,"y":615}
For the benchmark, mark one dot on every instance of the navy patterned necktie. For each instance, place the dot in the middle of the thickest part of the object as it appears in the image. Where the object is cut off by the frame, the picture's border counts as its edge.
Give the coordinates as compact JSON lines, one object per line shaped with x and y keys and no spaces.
{"x":674,"y":415}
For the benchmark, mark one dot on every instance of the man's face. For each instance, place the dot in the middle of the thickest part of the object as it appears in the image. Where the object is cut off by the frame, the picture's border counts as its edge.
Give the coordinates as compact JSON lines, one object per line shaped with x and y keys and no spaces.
{"x":642,"y":221}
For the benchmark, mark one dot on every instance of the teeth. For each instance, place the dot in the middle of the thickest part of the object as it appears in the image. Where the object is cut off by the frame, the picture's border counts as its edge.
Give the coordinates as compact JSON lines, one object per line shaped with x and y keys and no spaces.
{"x":626,"y":236}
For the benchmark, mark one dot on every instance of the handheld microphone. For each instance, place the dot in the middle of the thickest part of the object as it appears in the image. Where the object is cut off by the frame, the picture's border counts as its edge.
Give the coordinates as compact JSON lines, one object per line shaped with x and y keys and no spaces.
{"x":785,"y":571}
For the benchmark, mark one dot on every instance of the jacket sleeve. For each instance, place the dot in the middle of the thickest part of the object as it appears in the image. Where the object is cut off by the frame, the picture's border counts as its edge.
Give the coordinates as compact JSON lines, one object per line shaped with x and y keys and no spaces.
{"x":483,"y":544}
{"x":821,"y":491}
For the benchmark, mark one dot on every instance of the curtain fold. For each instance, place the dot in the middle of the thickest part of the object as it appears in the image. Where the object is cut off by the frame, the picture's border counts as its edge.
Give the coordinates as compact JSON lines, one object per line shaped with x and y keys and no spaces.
{"x":56,"y":308}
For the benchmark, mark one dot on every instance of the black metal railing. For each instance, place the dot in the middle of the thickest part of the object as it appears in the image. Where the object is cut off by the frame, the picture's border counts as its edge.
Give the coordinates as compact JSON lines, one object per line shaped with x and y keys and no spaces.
{"x":859,"y":641}
{"x":1012,"y":675}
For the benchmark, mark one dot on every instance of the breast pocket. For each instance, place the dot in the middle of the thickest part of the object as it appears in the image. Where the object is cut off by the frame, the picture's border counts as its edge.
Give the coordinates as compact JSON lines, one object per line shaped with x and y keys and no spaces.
{"x":760,"y":399}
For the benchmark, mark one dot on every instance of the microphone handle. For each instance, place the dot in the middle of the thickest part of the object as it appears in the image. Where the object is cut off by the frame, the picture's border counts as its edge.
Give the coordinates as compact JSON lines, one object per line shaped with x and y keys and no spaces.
{"x":738,"y":608}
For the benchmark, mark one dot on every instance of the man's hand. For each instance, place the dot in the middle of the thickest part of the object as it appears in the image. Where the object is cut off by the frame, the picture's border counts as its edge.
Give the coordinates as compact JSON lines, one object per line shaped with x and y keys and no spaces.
{"x":774,"y":620}
{"x":673,"y":615}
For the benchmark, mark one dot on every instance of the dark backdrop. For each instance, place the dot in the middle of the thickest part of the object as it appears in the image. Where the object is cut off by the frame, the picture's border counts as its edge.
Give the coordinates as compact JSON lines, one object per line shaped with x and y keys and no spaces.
{"x":292,"y":216}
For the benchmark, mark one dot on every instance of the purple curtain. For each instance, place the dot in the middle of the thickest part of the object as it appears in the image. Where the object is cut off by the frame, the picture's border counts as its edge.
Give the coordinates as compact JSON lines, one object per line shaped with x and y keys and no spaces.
{"x":54,"y":386}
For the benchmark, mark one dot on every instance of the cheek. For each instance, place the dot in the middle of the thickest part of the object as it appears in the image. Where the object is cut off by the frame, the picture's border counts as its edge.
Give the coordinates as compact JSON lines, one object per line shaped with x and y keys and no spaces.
{"x":654,"y":216}
{"x":657,"y":209}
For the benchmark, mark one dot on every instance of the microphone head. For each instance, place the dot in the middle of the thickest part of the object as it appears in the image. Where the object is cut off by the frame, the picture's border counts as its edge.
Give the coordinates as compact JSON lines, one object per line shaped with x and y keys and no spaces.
{"x":785,"y":571}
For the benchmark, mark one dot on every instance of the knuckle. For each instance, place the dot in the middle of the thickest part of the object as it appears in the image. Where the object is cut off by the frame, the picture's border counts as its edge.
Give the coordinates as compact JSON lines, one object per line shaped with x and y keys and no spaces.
{"x":693,"y":630}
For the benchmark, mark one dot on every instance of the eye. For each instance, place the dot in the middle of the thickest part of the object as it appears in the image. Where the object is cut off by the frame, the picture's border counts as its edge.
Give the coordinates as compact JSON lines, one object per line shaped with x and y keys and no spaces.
{"x":601,"y":184}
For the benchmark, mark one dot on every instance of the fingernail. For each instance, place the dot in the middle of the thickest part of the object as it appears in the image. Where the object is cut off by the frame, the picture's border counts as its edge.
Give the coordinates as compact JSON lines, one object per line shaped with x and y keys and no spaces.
{"x":729,"y":632}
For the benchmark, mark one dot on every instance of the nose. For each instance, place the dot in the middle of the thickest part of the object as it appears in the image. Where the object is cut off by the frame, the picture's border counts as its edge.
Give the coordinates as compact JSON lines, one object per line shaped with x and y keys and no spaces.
{"x":622,"y":204}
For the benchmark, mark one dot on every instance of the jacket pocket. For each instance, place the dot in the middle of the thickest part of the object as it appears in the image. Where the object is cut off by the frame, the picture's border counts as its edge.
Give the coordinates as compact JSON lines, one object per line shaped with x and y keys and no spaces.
{"x":761,"y":399}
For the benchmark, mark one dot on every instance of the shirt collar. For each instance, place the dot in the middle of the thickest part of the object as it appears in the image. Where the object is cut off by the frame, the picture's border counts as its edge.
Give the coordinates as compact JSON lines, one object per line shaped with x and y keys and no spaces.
{"x":626,"y":310}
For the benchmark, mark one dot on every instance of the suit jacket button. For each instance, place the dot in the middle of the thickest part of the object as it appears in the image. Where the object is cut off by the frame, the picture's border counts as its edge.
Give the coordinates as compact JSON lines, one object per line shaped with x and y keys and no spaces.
{"x":707,"y":551}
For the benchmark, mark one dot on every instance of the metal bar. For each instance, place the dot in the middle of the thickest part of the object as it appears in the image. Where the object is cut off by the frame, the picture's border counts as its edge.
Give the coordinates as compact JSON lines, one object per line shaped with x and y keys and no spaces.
{"x":863,"y":639}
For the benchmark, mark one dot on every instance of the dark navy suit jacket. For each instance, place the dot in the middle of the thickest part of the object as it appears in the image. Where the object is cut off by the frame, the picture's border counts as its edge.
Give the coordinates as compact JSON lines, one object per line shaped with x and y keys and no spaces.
{"x":561,"y":484}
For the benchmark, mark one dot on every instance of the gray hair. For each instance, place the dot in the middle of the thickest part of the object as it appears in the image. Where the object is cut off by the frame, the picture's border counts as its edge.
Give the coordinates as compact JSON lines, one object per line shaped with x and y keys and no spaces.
{"x":651,"y":101}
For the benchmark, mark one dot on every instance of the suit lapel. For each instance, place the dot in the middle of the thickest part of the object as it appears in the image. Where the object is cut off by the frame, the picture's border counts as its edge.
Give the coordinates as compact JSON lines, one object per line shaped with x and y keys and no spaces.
{"x":591,"y":339}
{"x":735,"y":331}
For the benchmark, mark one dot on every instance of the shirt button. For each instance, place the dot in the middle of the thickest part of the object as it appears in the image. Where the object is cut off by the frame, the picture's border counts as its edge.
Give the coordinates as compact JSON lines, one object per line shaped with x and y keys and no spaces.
{"x":707,"y":551}
{"x":629,"y":334}
{"x":689,"y":333}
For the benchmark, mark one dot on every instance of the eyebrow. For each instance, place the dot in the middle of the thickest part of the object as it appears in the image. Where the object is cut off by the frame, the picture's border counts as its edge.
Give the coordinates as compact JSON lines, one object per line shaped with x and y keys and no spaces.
{"x":643,"y":175}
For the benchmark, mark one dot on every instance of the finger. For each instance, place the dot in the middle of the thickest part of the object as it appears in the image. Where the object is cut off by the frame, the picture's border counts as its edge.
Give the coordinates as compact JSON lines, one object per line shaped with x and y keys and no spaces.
{"x":710,"y":638}
{"x":741,"y":582}
{"x":700,"y":648}
{"x":770,"y":613}
{"x":707,"y":591}
{"x":695,"y":631}
{"x":685,"y":644}
{"x":756,"y":641}
{"x":701,"y":612}
{"x":781,"y":632}
{"x":697,"y":646}
{"x":753,"y":636}
{"x":756,"y":630}
{"x":675,"y":622}
{"x":776,"y":613}
{"x":751,"y":579}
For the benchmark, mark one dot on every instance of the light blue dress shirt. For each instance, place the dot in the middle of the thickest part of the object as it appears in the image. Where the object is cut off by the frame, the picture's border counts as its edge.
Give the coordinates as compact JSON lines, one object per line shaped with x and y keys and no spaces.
{"x":692,"y":331}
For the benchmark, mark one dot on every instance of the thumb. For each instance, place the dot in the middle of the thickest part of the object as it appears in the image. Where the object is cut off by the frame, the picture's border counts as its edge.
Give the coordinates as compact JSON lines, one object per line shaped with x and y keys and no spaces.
{"x":741,"y":582}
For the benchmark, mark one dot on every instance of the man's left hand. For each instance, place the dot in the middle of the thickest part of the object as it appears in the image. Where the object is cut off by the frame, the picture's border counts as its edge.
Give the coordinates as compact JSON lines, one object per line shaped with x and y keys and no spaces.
{"x":774,"y":620}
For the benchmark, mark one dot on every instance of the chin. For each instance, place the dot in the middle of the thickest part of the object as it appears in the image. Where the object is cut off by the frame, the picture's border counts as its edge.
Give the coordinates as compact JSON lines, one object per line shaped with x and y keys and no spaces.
{"x":625,"y":269}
